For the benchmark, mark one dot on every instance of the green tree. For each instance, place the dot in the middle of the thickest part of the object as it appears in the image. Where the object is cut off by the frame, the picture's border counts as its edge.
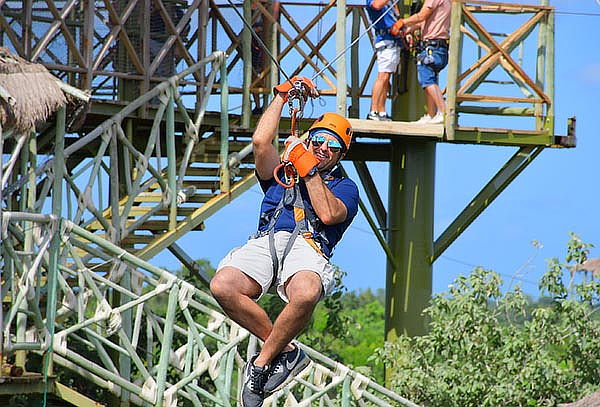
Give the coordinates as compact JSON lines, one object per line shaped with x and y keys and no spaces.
{"x":486,"y":348}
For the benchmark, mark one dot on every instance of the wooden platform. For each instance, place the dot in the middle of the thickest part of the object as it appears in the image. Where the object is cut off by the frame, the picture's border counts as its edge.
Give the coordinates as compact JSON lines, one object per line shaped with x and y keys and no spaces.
{"x":373,"y":128}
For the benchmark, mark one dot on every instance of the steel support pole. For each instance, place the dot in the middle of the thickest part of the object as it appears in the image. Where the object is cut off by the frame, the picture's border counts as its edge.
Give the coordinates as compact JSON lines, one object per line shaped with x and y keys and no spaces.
{"x":247,"y":56}
{"x":340,"y":44}
{"x":410,"y":237}
{"x":224,"y":152}
{"x":409,"y":219}
{"x":2,"y":255}
{"x":21,"y":356}
{"x":172,"y":159}
{"x":59,"y":165}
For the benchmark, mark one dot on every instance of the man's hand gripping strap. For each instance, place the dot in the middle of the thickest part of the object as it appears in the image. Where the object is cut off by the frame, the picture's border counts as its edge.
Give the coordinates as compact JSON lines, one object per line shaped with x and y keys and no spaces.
{"x":297,"y":153}
{"x":296,"y":158}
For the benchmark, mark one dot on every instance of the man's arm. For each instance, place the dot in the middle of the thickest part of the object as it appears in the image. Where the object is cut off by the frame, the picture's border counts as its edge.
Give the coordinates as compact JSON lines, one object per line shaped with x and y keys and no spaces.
{"x":378,"y":4}
{"x":329,"y":209}
{"x":265,"y":155}
{"x":422,"y":15}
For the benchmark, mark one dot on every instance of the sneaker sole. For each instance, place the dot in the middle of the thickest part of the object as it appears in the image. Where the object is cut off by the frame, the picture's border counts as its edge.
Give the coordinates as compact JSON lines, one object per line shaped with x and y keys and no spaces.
{"x":297,"y":370}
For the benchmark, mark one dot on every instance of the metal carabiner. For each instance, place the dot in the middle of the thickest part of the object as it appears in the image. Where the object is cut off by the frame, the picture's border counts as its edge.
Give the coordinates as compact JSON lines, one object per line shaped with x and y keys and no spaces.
{"x":289,"y":172}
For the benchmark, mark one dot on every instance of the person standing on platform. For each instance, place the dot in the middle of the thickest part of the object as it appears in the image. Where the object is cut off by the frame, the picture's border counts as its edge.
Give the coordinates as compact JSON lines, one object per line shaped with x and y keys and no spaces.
{"x":434,"y":21}
{"x":300,"y":223}
{"x":387,"y":50}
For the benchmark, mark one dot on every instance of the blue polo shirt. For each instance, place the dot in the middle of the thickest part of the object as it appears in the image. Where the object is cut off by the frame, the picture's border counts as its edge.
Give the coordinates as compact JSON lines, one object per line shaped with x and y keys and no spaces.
{"x":382,"y":27}
{"x":342,"y":188}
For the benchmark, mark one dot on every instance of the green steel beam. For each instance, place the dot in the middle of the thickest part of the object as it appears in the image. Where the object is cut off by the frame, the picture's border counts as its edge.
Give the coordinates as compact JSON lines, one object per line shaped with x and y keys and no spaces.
{"x":410,"y":236}
{"x":59,"y":165}
{"x":188,"y":262}
{"x":372,"y":193}
{"x":172,"y":159}
{"x":410,"y":218}
{"x":513,"y":167}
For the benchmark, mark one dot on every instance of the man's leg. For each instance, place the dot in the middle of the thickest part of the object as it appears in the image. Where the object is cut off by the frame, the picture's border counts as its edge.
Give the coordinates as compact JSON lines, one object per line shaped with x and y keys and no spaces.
{"x":303,"y":290}
{"x":381,"y":88}
{"x":439,"y":99}
{"x":430,"y":95}
{"x":234,"y":291}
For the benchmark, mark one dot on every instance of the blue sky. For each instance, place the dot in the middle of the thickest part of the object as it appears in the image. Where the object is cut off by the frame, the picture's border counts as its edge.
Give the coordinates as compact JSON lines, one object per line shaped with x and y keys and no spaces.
{"x":558,"y":193}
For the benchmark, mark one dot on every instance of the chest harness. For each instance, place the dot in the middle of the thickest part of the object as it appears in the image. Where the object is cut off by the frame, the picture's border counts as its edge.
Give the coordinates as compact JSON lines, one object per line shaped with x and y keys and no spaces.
{"x":307,"y":225}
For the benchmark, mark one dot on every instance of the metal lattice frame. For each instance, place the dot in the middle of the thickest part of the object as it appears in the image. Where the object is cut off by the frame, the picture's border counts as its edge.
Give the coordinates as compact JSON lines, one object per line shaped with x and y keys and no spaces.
{"x":200,"y":348}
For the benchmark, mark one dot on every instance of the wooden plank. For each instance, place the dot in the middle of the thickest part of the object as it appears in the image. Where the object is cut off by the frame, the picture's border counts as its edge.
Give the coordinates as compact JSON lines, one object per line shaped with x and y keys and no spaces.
{"x":501,"y":131}
{"x":467,"y":97}
{"x":367,"y":127}
{"x":523,"y":7}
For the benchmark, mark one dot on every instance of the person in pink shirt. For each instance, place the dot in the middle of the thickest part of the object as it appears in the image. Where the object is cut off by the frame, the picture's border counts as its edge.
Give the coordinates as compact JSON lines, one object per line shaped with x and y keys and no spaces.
{"x":434,"y":21}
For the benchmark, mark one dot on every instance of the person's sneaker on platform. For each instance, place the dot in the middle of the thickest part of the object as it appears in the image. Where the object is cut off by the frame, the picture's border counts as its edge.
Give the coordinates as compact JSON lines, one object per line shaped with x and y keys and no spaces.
{"x":437,"y":119}
{"x":426,"y":119}
{"x":284,"y":368}
{"x":373,"y":115}
{"x":384,"y":117}
{"x":252,"y":393}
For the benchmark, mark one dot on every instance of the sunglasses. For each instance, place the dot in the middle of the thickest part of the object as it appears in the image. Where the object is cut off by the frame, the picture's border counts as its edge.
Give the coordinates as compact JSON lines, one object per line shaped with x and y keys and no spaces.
{"x":333,"y":145}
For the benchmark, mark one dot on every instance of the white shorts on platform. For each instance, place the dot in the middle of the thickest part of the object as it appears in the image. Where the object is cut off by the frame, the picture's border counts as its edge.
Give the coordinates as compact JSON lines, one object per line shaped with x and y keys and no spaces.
{"x":388,"y":55}
{"x":254,"y":260}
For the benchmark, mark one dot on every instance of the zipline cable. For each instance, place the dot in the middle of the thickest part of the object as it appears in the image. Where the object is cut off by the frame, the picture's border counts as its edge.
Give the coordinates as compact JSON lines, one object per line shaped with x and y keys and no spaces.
{"x":260,"y":41}
{"x":264,"y":47}
{"x":342,"y":52}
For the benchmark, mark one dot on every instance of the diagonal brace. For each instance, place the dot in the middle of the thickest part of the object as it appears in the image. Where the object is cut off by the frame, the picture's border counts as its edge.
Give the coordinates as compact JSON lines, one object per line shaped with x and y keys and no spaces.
{"x":372,"y":194}
{"x":513,"y":167}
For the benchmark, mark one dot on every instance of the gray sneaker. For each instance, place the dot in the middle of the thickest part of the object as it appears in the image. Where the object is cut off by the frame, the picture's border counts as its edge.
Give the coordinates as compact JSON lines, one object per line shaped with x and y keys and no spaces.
{"x":373,"y":116}
{"x":284,"y":368}
{"x":252,"y":393}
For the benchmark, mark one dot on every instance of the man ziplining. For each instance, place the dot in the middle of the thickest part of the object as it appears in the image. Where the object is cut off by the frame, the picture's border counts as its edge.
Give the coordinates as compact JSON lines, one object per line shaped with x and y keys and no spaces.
{"x":307,"y":207}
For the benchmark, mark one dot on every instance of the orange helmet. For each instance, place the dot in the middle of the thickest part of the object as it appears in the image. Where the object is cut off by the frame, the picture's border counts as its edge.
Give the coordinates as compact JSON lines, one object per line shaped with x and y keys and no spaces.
{"x":336,"y":124}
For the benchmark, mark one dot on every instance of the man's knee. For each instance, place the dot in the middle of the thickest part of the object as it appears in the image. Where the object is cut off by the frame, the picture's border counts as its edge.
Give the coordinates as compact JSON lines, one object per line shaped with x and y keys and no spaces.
{"x":230,"y":282}
{"x":304,"y":288}
{"x":225,"y":283}
{"x":218,"y":286}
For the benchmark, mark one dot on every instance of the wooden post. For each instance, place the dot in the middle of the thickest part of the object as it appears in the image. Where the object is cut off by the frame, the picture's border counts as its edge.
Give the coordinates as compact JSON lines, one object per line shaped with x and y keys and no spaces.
{"x":247,"y":57}
{"x":453,"y":69}
{"x":340,"y":43}
{"x":354,"y":75}
{"x":550,"y":72}
{"x":540,"y":68}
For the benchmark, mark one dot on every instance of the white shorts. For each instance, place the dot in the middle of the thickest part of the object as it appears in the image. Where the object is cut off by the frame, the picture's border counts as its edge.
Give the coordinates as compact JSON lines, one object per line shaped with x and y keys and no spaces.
{"x":388,"y":55}
{"x":254,"y":260}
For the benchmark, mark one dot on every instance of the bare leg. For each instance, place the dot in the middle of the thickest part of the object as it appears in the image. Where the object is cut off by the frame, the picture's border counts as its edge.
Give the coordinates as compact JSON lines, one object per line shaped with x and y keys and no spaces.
{"x":381,"y":88}
{"x":434,"y":99}
{"x":304,"y":291}
{"x":439,"y":100}
{"x":235,"y":291}
{"x":430,"y":100}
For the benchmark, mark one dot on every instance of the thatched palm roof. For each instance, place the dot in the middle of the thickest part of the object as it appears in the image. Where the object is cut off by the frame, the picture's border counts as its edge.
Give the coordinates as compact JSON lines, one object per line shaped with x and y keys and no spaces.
{"x":592,"y":400}
{"x":591,"y":266}
{"x":35,"y":94}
